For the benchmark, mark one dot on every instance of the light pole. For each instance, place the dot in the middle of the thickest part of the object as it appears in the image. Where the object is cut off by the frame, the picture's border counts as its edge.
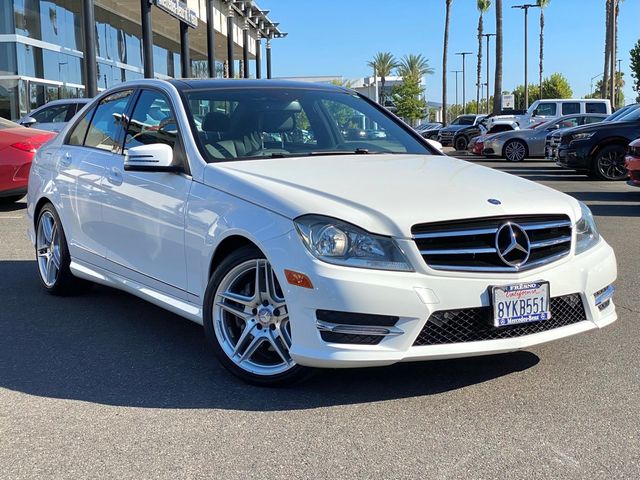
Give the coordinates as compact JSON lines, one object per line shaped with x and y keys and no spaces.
{"x":592,"y":79}
{"x":488,"y":35}
{"x":456,"y":72}
{"x":526,"y":8}
{"x":464,"y":80}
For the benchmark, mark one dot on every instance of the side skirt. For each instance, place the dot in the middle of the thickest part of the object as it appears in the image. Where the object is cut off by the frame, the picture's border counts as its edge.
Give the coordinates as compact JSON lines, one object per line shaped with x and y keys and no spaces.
{"x":98,"y":275}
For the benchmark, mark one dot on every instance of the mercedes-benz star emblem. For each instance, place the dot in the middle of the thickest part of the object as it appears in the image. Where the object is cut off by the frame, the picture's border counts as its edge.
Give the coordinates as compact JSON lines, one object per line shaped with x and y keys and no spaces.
{"x":513,"y":245}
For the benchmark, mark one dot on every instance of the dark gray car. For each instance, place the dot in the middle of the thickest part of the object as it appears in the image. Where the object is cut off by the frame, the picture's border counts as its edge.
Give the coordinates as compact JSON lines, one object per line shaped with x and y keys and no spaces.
{"x":517,"y":145}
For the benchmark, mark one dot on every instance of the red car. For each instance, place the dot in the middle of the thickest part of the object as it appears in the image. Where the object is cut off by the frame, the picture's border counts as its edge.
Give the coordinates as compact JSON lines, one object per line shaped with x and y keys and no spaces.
{"x":632,"y":162}
{"x":17,"y":148}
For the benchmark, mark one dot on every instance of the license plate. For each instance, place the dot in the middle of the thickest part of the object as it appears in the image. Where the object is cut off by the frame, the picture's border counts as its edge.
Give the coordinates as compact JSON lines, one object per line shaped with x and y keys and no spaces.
{"x":523,"y":303}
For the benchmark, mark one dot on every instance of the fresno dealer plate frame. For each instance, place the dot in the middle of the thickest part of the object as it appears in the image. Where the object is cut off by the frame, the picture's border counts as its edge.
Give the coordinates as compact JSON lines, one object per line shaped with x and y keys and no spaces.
{"x":533,"y":303}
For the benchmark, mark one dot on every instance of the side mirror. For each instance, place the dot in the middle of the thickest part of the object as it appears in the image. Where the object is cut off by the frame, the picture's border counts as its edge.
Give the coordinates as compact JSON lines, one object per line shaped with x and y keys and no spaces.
{"x":28,"y":122}
{"x":554,"y":127}
{"x":535,"y":112}
{"x":156,"y":157}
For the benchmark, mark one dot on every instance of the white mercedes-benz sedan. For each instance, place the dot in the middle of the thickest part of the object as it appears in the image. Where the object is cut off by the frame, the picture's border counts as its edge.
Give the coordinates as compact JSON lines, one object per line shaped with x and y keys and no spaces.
{"x":305,"y":226}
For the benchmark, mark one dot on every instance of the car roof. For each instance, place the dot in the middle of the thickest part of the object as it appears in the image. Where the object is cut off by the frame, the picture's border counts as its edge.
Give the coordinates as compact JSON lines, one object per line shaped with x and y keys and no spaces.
{"x":66,"y":101}
{"x":214,"y":83}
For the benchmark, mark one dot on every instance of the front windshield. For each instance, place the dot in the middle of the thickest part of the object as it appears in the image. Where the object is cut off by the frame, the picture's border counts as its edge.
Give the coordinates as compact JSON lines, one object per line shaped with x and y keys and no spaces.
{"x":242,"y":123}
{"x":4,"y":123}
{"x":463,"y":121}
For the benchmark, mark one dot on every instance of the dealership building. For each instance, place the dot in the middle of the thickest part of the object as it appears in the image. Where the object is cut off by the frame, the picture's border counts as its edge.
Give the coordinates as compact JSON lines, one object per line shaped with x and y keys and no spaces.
{"x":42,"y":45}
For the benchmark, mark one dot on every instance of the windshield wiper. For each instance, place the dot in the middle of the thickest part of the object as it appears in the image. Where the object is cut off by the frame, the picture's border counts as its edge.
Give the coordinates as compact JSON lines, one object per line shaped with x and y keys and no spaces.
{"x":357,"y":151}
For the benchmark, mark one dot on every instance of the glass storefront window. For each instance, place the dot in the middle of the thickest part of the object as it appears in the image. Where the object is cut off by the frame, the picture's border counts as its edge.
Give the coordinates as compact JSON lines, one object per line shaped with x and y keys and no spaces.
{"x":6,"y":21}
{"x":58,"y":22}
{"x":8,"y":61}
{"x":9,"y":99}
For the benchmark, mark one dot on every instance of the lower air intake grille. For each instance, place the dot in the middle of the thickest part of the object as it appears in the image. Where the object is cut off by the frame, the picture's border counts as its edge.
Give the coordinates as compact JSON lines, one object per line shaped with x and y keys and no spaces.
{"x":474,"y":324}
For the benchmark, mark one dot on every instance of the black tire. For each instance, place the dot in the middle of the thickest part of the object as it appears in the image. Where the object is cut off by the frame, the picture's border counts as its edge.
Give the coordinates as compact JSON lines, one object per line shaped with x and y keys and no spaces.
{"x":65,"y":282}
{"x":10,"y":199}
{"x":237,"y":258}
{"x":461,"y":143}
{"x":515,"y":151}
{"x":608,"y":163}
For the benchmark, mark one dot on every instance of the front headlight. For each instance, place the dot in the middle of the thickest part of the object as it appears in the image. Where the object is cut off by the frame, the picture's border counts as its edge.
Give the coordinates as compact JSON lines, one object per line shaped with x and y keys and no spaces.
{"x":340,"y":243}
{"x":581,"y":136}
{"x":586,"y":232}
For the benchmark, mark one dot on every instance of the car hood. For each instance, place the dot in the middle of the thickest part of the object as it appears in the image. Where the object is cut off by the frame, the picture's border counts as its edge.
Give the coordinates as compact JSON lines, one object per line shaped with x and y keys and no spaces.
{"x":385,"y":194}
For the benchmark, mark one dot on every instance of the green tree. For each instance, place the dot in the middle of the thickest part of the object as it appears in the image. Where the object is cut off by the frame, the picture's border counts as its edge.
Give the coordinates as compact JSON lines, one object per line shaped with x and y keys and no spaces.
{"x":556,"y":86}
{"x":497,"y":99}
{"x":445,"y":49}
{"x":414,"y":65}
{"x":483,"y":6}
{"x":635,"y":68}
{"x":518,"y":92}
{"x":407,"y":97}
{"x":383,"y":64}
{"x":620,"y":83}
{"x":542,"y":4}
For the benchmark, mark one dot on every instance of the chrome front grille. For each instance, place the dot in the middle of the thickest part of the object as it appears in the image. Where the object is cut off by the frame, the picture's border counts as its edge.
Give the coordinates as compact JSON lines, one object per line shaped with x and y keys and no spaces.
{"x":472,"y":245}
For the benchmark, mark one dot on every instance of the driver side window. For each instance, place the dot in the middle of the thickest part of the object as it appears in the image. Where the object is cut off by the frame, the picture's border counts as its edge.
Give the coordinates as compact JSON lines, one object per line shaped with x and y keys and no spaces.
{"x":152,"y":121}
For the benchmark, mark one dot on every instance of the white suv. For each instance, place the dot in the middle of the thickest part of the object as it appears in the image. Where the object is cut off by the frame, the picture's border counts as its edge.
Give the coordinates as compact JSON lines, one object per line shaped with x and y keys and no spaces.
{"x":243,"y":206}
{"x":544,"y":110}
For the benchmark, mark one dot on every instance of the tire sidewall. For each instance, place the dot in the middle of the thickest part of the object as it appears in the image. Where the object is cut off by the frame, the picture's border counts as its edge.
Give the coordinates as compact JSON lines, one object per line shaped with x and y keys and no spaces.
{"x":293,"y":375}
{"x":461,"y":144}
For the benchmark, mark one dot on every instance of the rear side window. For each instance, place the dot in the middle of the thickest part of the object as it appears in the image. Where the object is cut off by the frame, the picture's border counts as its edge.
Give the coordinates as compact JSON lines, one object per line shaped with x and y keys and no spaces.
{"x":547,"y":109}
{"x":593,"y":107}
{"x":153,"y":121}
{"x":570,"y":108}
{"x":53,"y":114}
{"x":107,"y":122}
{"x":588,"y":120}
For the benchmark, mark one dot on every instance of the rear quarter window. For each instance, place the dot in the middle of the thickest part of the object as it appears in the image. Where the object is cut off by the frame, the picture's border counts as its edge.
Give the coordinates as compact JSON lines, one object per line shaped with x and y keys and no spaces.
{"x":596,"y":107}
{"x":570,"y":108}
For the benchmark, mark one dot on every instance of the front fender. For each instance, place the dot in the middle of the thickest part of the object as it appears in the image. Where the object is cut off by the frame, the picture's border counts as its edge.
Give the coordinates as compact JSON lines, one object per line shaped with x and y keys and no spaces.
{"x":213,"y":216}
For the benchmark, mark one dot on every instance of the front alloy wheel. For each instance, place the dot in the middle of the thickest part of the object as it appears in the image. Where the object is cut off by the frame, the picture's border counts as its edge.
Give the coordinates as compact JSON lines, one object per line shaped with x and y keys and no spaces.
{"x":248,"y":320}
{"x":515,"y":151}
{"x":461,"y":143}
{"x":609,"y":163}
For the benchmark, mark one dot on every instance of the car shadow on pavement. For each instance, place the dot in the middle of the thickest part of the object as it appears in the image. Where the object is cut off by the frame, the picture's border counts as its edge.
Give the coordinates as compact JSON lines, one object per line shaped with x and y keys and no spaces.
{"x":112,"y":348}
{"x":13,"y":207}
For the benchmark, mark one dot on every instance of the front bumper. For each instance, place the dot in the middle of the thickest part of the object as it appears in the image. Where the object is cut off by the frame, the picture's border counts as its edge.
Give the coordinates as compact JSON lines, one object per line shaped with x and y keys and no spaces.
{"x":576,"y":158}
{"x":414,"y":297}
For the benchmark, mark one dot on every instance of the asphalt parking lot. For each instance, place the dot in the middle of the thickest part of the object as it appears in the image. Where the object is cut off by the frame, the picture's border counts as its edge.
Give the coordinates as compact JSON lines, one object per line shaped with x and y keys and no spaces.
{"x":104,"y":385}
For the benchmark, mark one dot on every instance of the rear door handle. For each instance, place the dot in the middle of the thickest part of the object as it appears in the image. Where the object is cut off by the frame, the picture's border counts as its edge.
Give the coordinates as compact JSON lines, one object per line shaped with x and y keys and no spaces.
{"x":115,"y":176}
{"x":65,"y":160}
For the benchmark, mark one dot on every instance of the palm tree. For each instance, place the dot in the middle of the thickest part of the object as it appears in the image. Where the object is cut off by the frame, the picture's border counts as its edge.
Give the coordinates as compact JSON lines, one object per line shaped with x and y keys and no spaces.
{"x":483,"y":6}
{"x":414,"y":65}
{"x":497,"y":89}
{"x":542,"y":4}
{"x":383,"y":64}
{"x":444,"y":61}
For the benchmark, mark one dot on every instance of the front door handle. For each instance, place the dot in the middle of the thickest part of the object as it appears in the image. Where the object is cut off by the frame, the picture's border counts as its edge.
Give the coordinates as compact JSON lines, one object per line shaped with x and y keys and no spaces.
{"x":115,"y":176}
{"x":65,"y":160}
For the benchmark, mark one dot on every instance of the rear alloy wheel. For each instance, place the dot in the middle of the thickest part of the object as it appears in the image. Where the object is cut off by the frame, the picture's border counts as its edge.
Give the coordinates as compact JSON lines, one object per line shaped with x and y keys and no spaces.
{"x":247,"y":321}
{"x":52,"y":255}
{"x":515,"y":151}
{"x":461,"y":143}
{"x":609,"y":163}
